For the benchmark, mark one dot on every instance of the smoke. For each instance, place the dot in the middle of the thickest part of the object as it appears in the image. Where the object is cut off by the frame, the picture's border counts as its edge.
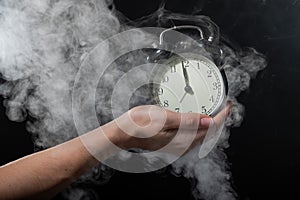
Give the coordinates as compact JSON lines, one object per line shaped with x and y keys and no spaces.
{"x":212,"y":172}
{"x":42,"y":46}
{"x":44,"y":43}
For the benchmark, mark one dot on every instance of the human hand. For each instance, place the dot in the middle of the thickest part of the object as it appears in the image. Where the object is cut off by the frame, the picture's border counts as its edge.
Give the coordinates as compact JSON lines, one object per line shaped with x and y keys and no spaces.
{"x":152,"y":128}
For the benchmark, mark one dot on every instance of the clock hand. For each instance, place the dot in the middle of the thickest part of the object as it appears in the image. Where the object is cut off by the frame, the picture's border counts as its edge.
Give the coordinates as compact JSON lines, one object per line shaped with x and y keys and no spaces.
{"x":182,"y":97}
{"x":187,"y":88}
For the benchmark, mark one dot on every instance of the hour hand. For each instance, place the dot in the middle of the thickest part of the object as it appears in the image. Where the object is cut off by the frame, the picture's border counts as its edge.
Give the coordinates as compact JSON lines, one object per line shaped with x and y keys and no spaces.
{"x":188,"y":89}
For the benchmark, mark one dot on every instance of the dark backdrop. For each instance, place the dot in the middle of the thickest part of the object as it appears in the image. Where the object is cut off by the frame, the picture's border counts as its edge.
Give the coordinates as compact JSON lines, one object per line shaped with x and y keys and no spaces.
{"x":264,"y":152}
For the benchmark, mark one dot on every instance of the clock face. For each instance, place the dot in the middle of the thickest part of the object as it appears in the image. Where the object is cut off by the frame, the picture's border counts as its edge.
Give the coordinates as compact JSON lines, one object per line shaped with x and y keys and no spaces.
{"x":190,"y":85}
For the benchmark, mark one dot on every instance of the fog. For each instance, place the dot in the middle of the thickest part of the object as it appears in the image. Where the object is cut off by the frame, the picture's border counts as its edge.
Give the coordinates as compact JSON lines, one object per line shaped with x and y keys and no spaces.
{"x":42,"y":46}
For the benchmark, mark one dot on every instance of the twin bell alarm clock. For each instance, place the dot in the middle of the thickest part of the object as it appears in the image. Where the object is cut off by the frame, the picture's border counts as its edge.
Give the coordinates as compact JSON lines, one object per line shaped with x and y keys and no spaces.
{"x":189,"y":76}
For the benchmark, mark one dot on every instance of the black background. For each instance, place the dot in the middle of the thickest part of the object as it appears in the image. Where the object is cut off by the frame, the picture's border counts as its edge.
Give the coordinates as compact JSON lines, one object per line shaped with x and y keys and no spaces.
{"x":264,"y":152}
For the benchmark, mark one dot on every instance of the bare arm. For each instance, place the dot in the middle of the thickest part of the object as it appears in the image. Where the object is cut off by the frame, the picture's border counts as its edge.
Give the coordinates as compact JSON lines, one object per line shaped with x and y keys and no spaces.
{"x":43,"y":174}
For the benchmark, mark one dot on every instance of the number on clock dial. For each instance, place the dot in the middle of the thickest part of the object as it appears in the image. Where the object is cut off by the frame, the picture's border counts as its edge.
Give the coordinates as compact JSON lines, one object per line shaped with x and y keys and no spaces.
{"x":204,"y":79}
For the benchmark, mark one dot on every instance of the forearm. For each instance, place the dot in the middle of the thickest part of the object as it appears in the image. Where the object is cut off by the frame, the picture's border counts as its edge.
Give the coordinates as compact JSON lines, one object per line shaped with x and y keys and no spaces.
{"x":43,"y":174}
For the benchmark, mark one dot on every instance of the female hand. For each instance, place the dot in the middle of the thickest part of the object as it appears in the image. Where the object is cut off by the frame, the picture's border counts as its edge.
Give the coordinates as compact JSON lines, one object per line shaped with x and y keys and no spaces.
{"x":43,"y":174}
{"x":152,"y":128}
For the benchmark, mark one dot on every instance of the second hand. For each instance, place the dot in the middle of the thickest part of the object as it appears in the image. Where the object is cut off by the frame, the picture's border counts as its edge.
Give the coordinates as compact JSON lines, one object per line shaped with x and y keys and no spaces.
{"x":183,"y":97}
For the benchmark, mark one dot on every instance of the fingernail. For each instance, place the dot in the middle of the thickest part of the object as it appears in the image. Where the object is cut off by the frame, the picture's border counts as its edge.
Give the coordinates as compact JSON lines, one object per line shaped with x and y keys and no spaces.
{"x":205,"y":122}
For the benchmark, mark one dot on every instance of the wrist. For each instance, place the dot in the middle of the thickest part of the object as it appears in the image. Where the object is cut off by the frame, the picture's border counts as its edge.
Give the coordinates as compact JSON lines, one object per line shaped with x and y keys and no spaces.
{"x":116,"y":135}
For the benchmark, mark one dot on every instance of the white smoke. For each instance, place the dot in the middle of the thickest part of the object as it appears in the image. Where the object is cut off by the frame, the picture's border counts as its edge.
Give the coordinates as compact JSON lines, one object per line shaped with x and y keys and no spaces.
{"x":42,"y":46}
{"x":212,"y":172}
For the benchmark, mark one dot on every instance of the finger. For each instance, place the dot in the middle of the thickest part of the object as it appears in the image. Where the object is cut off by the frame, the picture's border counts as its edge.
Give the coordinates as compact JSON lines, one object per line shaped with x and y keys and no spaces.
{"x":220,"y":118}
{"x":187,"y":120}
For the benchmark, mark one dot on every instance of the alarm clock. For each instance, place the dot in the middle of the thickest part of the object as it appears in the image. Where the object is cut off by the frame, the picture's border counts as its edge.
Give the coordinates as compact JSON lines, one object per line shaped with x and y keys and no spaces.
{"x":191,"y":81}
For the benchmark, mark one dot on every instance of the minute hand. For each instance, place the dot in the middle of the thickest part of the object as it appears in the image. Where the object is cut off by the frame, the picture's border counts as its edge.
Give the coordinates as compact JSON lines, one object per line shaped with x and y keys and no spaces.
{"x":187,"y":88}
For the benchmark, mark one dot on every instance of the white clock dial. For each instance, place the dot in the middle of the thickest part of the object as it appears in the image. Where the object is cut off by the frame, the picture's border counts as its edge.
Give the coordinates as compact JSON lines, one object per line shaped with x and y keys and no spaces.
{"x":192,"y":85}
